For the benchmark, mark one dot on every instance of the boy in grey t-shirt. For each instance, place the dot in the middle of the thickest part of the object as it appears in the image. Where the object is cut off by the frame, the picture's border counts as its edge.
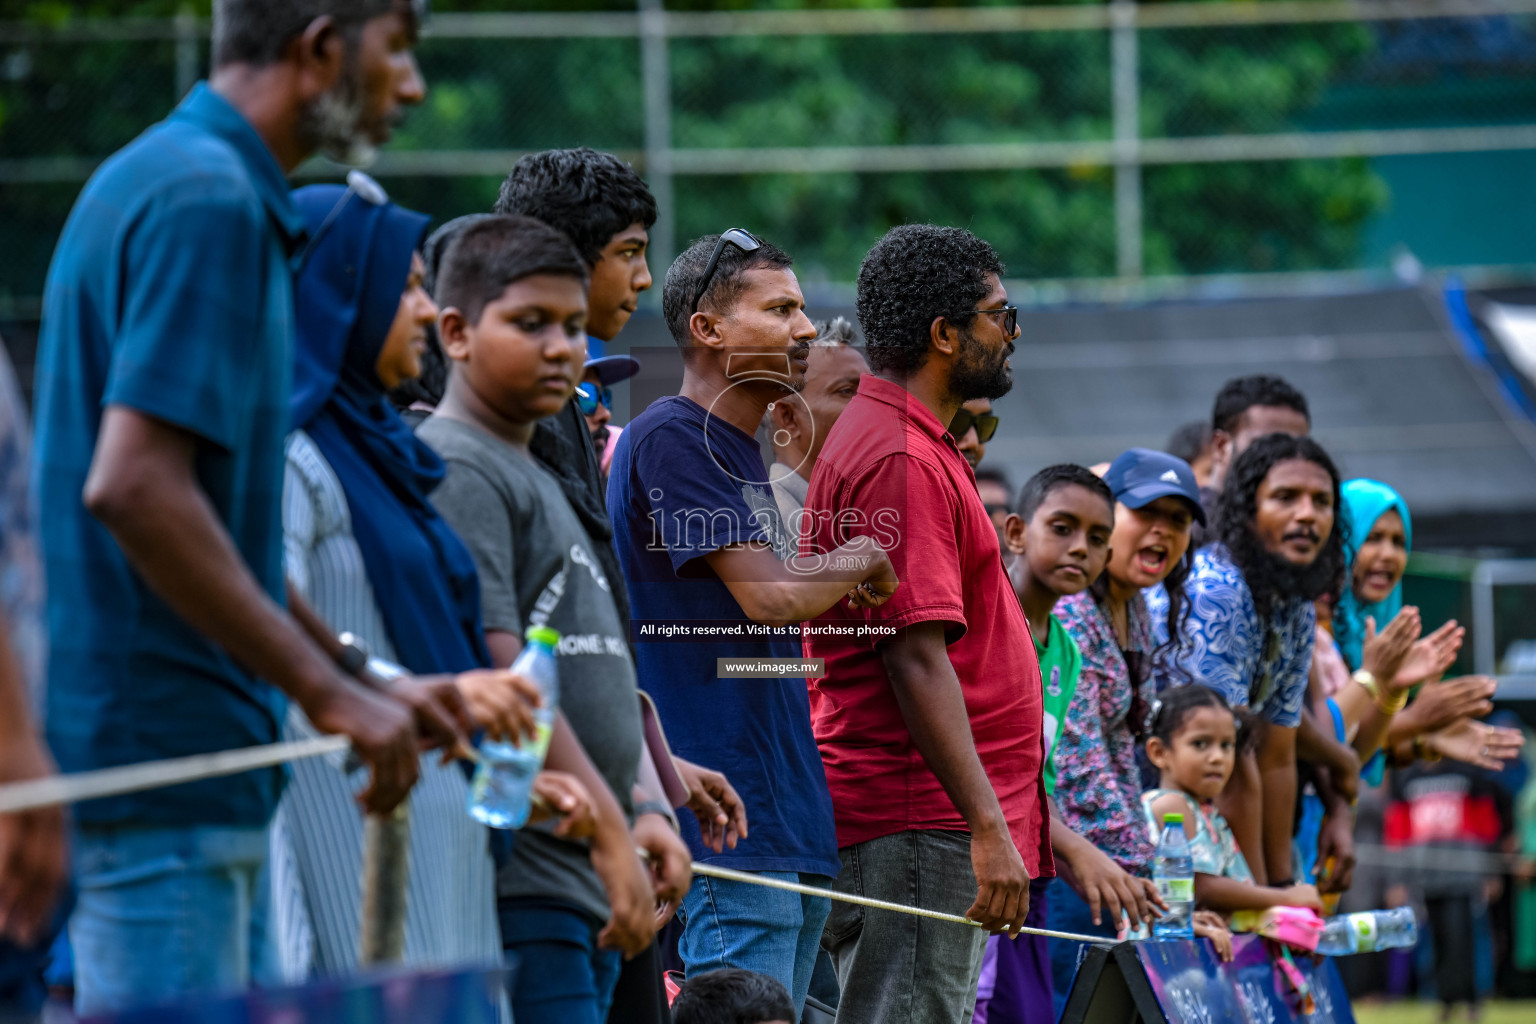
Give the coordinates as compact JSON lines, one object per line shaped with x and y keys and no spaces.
{"x":513,"y":298}
{"x":536,"y":570}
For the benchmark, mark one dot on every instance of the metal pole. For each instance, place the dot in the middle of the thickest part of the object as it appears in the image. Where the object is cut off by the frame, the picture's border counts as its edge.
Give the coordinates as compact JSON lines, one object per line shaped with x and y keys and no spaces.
{"x":1483,"y":651}
{"x":386,"y":867}
{"x":187,"y":39}
{"x":658,"y":132}
{"x":1127,"y":123}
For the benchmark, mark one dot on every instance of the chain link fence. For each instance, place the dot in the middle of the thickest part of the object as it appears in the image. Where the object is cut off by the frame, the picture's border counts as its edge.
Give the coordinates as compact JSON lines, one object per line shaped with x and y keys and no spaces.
{"x":1094,"y":144}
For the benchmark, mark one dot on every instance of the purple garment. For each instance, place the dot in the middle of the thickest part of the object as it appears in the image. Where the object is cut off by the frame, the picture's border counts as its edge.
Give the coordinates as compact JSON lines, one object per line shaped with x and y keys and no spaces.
{"x":1015,"y":986}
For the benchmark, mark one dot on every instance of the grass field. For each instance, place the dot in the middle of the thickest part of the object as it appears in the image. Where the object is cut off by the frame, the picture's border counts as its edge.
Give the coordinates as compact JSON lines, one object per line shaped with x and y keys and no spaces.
{"x":1429,"y":1013}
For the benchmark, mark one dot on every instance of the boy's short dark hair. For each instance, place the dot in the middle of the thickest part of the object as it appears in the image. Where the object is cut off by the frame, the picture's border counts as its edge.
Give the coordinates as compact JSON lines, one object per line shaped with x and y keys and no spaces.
{"x":258,"y":31}
{"x":913,"y":275}
{"x":492,"y":254}
{"x":591,"y":196}
{"x":1039,"y":487}
{"x":995,"y":476}
{"x":732,"y":996}
{"x":1240,"y":394}
{"x":1190,"y":441}
{"x":685,"y":273}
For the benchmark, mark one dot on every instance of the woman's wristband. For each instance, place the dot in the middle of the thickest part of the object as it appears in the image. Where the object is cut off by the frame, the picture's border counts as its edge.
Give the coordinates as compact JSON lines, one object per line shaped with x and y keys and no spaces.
{"x":1387,"y":705}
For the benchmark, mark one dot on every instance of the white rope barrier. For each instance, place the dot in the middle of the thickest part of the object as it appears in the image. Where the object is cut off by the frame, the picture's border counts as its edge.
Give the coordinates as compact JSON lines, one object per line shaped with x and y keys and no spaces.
{"x":864,"y":901}
{"x":134,"y":778}
{"x":81,"y":786}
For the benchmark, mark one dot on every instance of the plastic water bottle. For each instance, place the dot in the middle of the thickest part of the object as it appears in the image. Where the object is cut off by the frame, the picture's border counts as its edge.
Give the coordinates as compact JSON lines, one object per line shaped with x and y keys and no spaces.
{"x":1173,"y":871}
{"x":1369,"y":931}
{"x":499,"y":792}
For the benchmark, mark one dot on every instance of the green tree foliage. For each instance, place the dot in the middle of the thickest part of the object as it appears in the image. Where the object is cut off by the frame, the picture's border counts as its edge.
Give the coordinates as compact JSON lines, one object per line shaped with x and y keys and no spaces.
{"x":84,"y":100}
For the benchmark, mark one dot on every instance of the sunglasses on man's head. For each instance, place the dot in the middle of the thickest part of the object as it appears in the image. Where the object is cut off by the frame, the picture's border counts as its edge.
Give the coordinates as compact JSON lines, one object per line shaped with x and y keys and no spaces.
{"x":985,"y":424}
{"x":589,"y":396}
{"x":742,"y":239}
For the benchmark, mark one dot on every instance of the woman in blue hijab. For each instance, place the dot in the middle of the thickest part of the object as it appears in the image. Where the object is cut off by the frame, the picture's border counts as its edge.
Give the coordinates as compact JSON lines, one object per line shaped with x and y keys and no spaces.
{"x":1379,"y":537}
{"x":366,"y":549}
{"x":1441,"y":721}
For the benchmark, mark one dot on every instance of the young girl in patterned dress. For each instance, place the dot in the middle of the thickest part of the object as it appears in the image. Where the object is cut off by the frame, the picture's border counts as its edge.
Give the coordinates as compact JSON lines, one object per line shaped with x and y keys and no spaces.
{"x":1193,"y":739}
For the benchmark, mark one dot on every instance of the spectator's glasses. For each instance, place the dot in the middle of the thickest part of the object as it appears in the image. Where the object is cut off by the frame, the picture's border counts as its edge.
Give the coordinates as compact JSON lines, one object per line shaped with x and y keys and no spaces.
{"x":742,"y":239}
{"x":1010,"y":316}
{"x":985,"y":424}
{"x":589,"y":396}
{"x":358,"y":184}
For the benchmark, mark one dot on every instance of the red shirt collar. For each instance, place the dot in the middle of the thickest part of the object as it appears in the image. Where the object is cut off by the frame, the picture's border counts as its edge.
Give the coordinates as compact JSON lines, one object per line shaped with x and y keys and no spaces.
{"x":905,"y":404}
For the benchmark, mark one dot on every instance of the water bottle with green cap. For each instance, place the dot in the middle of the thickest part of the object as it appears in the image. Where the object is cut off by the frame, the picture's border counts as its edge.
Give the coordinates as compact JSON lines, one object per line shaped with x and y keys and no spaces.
{"x":499,"y":792}
{"x":1173,"y":871}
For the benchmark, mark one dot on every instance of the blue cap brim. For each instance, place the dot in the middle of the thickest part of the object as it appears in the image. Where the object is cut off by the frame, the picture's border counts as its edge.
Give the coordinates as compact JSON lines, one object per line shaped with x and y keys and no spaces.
{"x":1145,"y":494}
{"x":612,"y":369}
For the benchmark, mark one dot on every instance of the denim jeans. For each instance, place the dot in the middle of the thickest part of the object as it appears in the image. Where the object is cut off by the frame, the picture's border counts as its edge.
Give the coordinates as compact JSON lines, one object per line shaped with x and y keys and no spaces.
{"x":897,"y":968}
{"x":772,"y":932}
{"x":561,"y":976}
{"x":163,"y":912}
{"x":1066,"y":911}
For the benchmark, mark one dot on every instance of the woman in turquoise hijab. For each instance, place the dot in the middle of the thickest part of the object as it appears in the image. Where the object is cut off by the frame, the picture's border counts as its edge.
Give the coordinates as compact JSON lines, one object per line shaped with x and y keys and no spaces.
{"x":1376,"y":546}
{"x":1373,"y":632}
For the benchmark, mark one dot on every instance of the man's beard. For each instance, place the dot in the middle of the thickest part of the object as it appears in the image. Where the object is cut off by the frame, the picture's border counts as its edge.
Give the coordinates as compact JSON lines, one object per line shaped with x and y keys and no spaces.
{"x":1285,"y":580}
{"x":600,"y":437}
{"x":972,"y":377}
{"x":332,"y":123}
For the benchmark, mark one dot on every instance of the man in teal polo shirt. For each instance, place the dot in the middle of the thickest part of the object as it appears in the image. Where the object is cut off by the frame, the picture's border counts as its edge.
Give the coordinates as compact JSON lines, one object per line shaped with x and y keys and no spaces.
{"x":163,"y":375}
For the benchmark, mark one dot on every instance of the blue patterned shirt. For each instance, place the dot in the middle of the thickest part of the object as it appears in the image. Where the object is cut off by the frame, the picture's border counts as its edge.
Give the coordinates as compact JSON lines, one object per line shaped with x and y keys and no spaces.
{"x":1254,"y":664}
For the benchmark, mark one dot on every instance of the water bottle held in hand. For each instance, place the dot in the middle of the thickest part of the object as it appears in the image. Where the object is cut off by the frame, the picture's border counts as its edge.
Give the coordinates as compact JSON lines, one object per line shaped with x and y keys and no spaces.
{"x":1369,"y":931}
{"x":1173,"y":871}
{"x":499,"y":794}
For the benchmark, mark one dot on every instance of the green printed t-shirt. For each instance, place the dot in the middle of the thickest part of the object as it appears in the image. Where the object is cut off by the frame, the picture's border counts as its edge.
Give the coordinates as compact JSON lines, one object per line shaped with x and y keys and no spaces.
{"x":1060,"y":662}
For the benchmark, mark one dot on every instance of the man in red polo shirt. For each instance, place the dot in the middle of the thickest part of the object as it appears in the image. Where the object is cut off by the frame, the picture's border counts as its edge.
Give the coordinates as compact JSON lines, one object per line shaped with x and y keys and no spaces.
{"x":929,"y":715}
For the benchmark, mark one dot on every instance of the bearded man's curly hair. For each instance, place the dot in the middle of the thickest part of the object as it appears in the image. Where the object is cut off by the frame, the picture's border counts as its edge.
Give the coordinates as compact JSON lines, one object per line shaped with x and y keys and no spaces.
{"x":1271,"y":579}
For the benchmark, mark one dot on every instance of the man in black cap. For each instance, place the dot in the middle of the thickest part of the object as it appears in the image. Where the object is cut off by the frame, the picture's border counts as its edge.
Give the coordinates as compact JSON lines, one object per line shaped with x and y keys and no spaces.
{"x":594,"y":396}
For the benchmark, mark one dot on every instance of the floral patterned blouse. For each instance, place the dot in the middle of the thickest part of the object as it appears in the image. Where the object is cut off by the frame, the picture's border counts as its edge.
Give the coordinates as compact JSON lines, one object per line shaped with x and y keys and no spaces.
{"x":1098,"y":785}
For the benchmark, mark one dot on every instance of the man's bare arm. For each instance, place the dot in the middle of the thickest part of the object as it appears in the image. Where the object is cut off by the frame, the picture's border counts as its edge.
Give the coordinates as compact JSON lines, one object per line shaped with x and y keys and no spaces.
{"x":1242,"y":804}
{"x":1277,"y":777}
{"x":933,"y":707}
{"x":778,"y":592}
{"x":440,"y":709}
{"x":34,"y":855}
{"x":143,"y":487}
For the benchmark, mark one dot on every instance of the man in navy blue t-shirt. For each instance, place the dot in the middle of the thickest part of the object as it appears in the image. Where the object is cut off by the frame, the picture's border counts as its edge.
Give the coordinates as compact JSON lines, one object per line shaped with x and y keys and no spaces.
{"x":704,"y":556}
{"x":163,"y":377}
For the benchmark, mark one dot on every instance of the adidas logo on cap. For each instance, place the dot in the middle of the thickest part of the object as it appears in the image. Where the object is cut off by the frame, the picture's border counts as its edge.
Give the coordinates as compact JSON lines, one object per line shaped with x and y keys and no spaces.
{"x":1169,"y":476}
